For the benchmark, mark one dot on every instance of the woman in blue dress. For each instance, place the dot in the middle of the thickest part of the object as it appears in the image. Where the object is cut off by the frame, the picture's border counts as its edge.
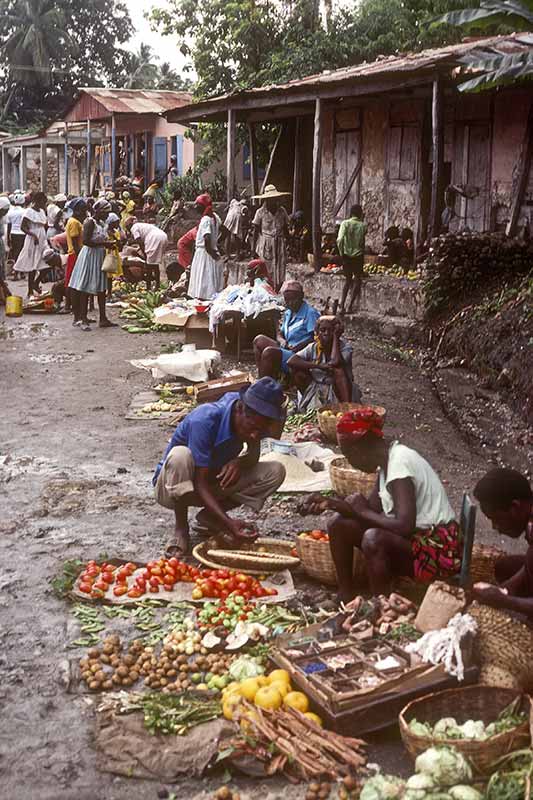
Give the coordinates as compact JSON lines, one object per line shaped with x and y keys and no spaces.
{"x":87,"y":276}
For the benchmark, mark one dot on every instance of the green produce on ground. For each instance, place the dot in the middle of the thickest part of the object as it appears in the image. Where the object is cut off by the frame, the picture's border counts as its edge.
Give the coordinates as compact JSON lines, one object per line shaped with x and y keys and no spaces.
{"x":165,"y":713}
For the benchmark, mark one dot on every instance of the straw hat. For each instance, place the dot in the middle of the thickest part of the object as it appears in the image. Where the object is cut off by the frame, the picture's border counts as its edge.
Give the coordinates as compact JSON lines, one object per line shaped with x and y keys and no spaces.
{"x":270,"y":193}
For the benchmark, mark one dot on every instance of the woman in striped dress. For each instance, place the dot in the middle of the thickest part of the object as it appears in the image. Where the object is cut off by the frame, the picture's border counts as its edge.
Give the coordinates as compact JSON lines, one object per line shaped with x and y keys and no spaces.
{"x":87,"y":276}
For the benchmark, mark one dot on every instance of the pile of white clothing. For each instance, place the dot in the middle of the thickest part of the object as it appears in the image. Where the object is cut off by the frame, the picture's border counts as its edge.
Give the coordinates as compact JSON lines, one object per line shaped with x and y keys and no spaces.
{"x":250,"y":301}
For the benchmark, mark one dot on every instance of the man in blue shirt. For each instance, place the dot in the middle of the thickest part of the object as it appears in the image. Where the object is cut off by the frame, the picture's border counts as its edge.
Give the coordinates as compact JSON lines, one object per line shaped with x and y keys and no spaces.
{"x":202,"y":466}
{"x":297,"y":330}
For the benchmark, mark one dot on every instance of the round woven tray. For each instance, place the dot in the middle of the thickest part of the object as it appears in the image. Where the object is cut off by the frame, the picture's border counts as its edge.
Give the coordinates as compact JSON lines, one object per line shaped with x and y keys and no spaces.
{"x":473,"y":702}
{"x":504,"y":644}
{"x":346,"y":480}
{"x":281,"y":546}
{"x":318,"y":562}
{"x":484,"y":558}
{"x":328,"y":425}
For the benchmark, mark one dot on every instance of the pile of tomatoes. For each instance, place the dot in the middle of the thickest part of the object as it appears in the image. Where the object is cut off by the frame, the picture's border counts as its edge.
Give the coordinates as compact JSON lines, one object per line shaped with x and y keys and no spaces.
{"x":317,"y":536}
{"x":162,"y":575}
{"x":223,"y":582}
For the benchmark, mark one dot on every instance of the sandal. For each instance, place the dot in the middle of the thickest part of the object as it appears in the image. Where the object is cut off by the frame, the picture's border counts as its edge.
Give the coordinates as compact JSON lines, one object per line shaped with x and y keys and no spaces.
{"x":174,"y":550}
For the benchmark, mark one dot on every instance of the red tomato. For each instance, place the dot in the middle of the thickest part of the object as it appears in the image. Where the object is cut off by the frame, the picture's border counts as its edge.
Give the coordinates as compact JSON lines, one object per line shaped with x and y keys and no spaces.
{"x":97,"y":594}
{"x":241,"y":578}
{"x":156,"y":570}
{"x":122,"y":576}
{"x":194,"y":572}
{"x":271,"y":592}
{"x":141,"y":583}
{"x":242,"y":587}
{"x":119,"y":590}
{"x":173,"y":561}
{"x":223,"y":594}
{"x":102,"y":586}
{"x":155,"y":581}
{"x":168,"y":587}
{"x":154,"y":589}
{"x":130,"y":566}
{"x":108,"y":577}
{"x":207,"y":587}
{"x":94,"y":571}
{"x":86,"y":588}
{"x":135,"y":592}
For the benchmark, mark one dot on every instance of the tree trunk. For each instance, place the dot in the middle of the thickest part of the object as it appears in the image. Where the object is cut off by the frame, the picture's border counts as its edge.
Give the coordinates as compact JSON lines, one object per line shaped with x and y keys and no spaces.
{"x":8,"y":102}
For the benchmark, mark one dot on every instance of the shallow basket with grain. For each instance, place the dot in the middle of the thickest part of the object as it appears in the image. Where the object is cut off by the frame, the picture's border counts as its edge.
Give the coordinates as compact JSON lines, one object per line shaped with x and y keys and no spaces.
{"x":473,"y":702}
{"x":503,"y":644}
{"x":328,"y":424}
{"x":484,"y":558}
{"x":267,"y":561}
{"x":346,"y":480}
{"x":318,"y":562}
{"x":206,"y":553}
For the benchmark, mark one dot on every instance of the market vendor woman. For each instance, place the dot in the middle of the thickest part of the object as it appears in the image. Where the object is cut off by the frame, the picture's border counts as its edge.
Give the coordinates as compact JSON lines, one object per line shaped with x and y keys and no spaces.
{"x":506,"y":498}
{"x":406,"y":526}
{"x":202,"y":465}
{"x":297,"y":331}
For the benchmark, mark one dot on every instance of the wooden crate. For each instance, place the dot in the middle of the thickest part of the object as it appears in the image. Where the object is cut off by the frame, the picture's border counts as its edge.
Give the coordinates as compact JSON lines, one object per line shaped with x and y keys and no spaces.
{"x":212,"y":390}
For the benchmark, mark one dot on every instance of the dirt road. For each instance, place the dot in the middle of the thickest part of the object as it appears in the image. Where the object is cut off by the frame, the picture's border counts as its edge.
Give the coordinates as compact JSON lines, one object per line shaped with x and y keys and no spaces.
{"x":75,"y":482}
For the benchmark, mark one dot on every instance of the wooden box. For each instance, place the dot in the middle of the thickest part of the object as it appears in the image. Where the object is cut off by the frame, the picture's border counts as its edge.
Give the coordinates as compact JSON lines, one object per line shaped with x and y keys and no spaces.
{"x":211,"y":390}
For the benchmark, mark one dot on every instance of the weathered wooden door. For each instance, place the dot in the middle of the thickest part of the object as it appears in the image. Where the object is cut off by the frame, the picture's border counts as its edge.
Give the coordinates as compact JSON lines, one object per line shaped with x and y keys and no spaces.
{"x":347,"y":157}
{"x":471,"y":173}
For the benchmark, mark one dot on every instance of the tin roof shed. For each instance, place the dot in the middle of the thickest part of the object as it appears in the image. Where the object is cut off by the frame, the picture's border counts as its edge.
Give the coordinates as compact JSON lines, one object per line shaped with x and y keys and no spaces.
{"x":98,"y":103}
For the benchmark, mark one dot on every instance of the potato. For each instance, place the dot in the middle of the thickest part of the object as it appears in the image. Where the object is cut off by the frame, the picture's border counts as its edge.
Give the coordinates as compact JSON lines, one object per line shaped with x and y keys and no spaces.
{"x":94,"y":652}
{"x":107,"y":685}
{"x":134,"y":675}
{"x":128,"y":660}
{"x":123,"y":671}
{"x":100,"y":675}
{"x":94,"y":685}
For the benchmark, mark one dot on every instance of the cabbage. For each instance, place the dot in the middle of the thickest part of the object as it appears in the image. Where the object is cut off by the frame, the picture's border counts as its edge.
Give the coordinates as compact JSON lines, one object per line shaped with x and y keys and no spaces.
{"x":419,"y":728}
{"x":421,"y":782}
{"x":445,"y":765}
{"x":245,"y":667}
{"x":473,"y":729}
{"x":465,"y":793}
{"x":443,"y":724}
{"x":382,"y":787}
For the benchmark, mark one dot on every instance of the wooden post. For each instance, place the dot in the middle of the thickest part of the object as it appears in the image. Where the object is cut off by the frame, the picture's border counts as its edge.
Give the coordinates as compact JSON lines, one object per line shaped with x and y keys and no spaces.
{"x":146,"y":159}
{"x":231,"y":154}
{"x":6,"y":176}
{"x":252,"y":144}
{"x":65,"y":158}
{"x":113,"y":152}
{"x":89,"y":154}
{"x":317,"y":186}
{"x":22,"y":168}
{"x":437,"y":135}
{"x":133,"y":154}
{"x":297,"y":174}
{"x":523,"y":175}
{"x":44,"y":168}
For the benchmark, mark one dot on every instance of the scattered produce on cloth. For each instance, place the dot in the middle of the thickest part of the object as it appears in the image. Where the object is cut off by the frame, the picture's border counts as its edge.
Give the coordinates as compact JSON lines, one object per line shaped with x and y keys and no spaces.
{"x":392,"y":617}
{"x":295,"y":421}
{"x":449,"y":728}
{"x":166,"y":713}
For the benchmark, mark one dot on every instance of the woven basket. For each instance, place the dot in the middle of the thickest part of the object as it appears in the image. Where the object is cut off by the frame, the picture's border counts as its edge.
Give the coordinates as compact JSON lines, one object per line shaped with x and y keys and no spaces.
{"x":346,"y":480}
{"x":318,"y":562}
{"x":504,"y":643}
{"x":474,"y":702}
{"x":484,"y":558}
{"x":328,"y":425}
{"x":243,"y":559}
{"x":282,"y":546}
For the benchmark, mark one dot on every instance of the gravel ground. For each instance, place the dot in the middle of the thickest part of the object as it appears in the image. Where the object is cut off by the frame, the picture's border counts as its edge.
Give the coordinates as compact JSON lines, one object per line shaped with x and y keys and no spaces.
{"x":75,"y":482}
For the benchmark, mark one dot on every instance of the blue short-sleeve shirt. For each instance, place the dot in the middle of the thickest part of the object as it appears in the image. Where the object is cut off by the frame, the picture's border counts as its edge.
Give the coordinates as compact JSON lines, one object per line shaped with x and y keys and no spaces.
{"x":207,"y":433}
{"x":297,"y":326}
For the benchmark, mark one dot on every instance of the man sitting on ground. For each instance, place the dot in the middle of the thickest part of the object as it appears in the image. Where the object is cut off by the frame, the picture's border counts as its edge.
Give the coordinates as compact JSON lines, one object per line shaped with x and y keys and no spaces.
{"x":202,"y":465}
{"x":506,"y":498}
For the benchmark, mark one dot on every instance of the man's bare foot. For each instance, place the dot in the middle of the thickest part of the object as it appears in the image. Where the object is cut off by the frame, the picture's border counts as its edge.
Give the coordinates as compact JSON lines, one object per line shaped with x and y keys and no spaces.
{"x":181,"y":546}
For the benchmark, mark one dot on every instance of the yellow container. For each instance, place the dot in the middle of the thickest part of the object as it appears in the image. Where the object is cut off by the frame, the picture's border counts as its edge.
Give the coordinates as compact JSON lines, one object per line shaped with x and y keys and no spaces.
{"x":13,"y":306}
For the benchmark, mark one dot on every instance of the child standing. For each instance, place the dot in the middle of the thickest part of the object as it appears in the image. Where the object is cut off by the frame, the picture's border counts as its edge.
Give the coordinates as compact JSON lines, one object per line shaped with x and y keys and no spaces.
{"x":351,"y":244}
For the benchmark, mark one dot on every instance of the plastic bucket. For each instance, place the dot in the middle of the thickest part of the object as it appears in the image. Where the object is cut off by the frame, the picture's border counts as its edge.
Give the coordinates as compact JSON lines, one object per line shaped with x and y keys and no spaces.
{"x":13,"y":306}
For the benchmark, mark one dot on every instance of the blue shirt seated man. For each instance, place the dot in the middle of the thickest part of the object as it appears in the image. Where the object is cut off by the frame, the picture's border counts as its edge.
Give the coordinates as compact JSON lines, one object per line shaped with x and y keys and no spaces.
{"x":202,"y":465}
{"x":297,"y":331}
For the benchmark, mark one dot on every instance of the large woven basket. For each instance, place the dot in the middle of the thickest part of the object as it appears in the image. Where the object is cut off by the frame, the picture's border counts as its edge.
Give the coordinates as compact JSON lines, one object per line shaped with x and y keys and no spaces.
{"x":473,"y":702}
{"x":281,"y":546}
{"x":328,"y":424}
{"x":346,"y":480}
{"x":484,"y":558}
{"x":318,"y":562}
{"x":505,"y":645}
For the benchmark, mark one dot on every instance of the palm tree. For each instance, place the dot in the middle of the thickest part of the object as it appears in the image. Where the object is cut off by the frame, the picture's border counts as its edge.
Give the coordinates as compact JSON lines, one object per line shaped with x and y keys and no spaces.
{"x":142,"y":69}
{"x":495,"y":68}
{"x":33,"y":30}
{"x":168,"y":78}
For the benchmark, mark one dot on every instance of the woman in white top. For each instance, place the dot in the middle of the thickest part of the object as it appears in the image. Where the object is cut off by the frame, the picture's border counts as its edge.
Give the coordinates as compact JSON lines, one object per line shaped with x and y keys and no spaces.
{"x":31,"y":259}
{"x":15,"y":236}
{"x":153,"y":242}
{"x":406,"y":526}
{"x":207,"y":277}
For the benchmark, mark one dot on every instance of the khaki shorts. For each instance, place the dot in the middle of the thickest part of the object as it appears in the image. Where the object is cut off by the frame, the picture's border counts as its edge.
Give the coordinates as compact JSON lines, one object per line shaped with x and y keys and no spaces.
{"x":252,"y":489}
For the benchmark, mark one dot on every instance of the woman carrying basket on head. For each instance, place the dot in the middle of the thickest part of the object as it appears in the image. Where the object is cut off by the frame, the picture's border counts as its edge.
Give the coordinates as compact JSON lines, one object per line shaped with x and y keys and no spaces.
{"x":406,"y":527}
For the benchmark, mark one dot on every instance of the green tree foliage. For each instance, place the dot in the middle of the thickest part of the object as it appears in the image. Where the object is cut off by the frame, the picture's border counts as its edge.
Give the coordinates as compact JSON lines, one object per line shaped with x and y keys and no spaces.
{"x":50,"y":47}
{"x":494,"y":16}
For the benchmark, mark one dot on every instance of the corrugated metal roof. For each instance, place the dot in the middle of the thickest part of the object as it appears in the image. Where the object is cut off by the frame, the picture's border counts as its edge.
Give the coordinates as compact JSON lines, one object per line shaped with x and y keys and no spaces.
{"x":129,"y":101}
{"x":385,"y":67}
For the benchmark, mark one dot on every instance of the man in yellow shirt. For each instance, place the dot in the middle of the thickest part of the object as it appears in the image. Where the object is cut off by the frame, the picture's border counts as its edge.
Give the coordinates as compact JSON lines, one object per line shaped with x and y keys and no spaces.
{"x":351,"y":244}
